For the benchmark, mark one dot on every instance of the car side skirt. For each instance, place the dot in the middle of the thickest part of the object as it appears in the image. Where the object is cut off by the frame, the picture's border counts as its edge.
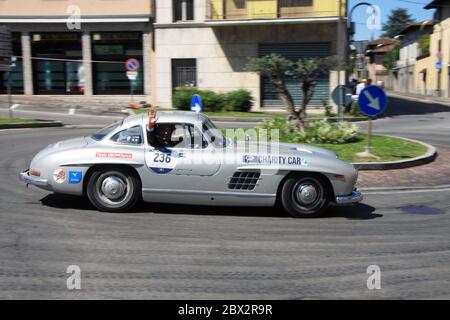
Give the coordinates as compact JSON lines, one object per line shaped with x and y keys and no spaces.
{"x":211,"y":198}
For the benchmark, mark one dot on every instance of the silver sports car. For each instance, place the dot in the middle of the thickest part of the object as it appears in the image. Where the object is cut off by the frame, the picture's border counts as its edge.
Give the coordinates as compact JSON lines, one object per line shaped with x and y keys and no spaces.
{"x":117,"y":166}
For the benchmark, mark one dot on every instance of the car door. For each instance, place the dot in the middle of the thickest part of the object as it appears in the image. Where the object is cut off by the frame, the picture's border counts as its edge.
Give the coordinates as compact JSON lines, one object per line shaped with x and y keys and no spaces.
{"x":192,"y":156}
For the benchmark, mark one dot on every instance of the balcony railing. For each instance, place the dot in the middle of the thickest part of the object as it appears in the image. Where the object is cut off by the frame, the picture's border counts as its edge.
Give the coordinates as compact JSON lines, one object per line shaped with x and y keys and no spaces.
{"x":270,"y":9}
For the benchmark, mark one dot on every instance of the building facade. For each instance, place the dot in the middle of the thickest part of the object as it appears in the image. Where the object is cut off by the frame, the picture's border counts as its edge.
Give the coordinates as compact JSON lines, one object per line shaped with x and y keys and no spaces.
{"x":207,"y":44}
{"x":78,"y":47}
{"x":439,"y":71}
{"x":407,"y":79}
{"x":376,"y":52}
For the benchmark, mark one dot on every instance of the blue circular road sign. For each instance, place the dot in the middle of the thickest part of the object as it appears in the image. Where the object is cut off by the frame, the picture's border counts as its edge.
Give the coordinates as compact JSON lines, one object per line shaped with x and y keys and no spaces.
{"x":372,"y":101}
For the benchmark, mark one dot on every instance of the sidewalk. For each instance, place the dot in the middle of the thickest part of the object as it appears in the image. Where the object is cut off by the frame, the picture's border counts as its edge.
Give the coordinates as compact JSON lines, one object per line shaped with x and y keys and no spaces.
{"x":90,"y":104}
{"x":433,"y":174}
{"x":419,"y":98}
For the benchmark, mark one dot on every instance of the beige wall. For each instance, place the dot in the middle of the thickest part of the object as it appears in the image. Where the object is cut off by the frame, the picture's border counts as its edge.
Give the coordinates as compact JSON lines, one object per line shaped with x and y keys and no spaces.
{"x":88,"y":7}
{"x":223,"y":52}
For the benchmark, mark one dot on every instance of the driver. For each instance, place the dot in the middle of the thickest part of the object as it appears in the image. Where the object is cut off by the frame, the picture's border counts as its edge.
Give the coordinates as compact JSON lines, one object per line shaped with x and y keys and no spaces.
{"x":160,"y":135}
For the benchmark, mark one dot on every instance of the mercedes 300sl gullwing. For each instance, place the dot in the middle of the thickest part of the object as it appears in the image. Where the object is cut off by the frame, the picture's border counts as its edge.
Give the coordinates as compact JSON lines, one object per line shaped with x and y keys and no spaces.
{"x":117,"y":166}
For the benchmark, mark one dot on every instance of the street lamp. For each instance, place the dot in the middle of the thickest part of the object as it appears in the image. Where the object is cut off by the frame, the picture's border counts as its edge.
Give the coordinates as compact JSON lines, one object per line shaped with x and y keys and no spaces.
{"x":350,"y":24}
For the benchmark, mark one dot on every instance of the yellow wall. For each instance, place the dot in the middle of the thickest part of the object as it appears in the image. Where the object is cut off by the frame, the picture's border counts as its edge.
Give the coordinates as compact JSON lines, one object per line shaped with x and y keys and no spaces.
{"x":267,"y":9}
{"x":420,"y":86}
{"x":88,"y":7}
{"x":216,"y":9}
{"x":441,"y":32}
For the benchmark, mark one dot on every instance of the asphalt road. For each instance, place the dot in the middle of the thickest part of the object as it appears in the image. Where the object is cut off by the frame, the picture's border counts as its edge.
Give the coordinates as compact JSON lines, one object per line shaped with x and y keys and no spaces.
{"x":429,"y":122}
{"x":185,"y":252}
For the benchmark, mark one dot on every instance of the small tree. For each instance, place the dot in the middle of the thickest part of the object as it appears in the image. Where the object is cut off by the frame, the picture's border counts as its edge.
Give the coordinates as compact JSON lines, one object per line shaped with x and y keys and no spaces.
{"x":276,"y":68}
{"x":391,"y":58}
{"x":308,"y":71}
{"x":396,"y":22}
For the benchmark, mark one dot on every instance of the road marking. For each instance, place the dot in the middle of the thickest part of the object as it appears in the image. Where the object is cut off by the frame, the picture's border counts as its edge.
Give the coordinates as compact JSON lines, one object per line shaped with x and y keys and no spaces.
{"x":71,"y":111}
{"x":15,"y":106}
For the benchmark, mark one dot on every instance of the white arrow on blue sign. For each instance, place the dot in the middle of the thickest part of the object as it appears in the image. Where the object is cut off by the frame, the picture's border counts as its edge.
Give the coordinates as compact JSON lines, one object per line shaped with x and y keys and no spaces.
{"x":372,"y":101}
{"x":196,"y":103}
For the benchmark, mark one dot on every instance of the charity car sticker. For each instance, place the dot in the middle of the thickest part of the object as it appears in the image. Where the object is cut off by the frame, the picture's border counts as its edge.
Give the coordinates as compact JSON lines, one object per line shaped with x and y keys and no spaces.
{"x":275,"y":159}
{"x":59,"y":175}
{"x":75,"y":177}
{"x":162,"y":160}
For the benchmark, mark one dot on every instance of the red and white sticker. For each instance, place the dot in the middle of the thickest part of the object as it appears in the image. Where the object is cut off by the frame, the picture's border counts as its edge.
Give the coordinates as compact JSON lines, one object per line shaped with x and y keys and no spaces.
{"x":114,"y":155}
{"x":59,"y":175}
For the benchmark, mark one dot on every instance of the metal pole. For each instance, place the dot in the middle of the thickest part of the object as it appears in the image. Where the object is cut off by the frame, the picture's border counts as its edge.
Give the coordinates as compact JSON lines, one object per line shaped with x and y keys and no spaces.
{"x":369,"y":136}
{"x":338,"y":51}
{"x":9,"y":95}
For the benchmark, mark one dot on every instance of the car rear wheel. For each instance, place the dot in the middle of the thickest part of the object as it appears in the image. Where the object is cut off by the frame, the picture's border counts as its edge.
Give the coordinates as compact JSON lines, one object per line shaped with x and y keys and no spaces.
{"x":305,"y":196}
{"x":113,"y":190}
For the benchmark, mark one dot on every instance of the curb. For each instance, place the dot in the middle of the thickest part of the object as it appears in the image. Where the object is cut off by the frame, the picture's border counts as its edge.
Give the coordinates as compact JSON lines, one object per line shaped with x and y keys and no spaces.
{"x":428,"y":157}
{"x":237,"y":119}
{"x":370,"y":190}
{"x":23,"y":125}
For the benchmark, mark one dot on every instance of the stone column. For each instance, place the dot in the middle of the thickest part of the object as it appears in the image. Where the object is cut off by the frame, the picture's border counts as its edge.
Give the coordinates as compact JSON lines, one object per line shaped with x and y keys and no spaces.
{"x":147,"y":57}
{"x":87,"y":63}
{"x":27,"y":63}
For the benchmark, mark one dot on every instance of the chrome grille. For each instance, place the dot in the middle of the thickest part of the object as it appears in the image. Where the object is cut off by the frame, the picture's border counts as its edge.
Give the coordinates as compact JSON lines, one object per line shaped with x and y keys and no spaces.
{"x":244,"y":180}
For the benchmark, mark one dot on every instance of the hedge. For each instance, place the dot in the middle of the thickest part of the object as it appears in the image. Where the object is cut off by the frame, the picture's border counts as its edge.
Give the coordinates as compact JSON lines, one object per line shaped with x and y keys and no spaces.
{"x":237,"y":100}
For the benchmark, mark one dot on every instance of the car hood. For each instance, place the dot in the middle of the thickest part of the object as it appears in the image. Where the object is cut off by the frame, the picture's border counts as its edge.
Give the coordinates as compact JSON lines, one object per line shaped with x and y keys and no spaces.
{"x":76,"y":143}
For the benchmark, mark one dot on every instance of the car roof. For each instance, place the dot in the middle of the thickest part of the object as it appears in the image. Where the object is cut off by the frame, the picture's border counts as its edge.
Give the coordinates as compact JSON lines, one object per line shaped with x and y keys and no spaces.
{"x":168,"y":116}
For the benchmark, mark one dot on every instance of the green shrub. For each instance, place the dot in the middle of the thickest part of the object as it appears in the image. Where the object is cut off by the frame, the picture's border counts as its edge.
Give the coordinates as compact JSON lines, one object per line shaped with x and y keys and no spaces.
{"x":182,"y":98}
{"x":355,"y":111}
{"x":316,"y":132}
{"x":211,"y":101}
{"x":238,"y":100}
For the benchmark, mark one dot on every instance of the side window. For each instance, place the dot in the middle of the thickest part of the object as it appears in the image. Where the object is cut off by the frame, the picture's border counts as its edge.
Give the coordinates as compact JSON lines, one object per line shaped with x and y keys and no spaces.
{"x":131,"y":136}
{"x":195,"y":137}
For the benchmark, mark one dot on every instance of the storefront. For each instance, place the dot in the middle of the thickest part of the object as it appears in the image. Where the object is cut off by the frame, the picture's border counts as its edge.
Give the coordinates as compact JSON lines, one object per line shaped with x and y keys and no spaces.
{"x":16,"y":74}
{"x":57,"y":63}
{"x":110,"y":50}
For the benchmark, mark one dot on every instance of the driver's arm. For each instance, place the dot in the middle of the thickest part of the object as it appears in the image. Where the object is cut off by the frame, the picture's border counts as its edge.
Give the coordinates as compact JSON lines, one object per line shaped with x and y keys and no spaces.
{"x":151,"y":132}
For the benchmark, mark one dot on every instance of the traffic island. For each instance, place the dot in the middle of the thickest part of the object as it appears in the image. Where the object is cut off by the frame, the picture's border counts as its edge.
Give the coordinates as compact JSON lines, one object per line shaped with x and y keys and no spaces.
{"x":388,"y":152}
{"x":20,"y":123}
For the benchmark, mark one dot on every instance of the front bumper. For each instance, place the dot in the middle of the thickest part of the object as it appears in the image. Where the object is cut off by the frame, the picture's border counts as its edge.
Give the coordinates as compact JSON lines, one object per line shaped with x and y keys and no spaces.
{"x":354,"y":197}
{"x":36,"y":181}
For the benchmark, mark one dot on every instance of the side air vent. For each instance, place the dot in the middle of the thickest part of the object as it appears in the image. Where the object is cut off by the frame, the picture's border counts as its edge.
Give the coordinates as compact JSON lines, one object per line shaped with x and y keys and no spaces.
{"x":244,"y":180}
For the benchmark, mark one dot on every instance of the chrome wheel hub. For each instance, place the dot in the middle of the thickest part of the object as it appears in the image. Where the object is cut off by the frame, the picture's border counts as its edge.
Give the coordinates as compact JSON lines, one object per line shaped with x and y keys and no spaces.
{"x":113,"y":187}
{"x":306,"y":194}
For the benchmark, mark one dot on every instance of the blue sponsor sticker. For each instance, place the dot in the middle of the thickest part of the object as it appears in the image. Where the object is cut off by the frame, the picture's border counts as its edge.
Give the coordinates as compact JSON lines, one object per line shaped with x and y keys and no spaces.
{"x":75,"y":177}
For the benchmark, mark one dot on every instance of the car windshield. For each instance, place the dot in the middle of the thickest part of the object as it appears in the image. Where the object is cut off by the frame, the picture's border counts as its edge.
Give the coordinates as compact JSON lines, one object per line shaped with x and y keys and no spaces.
{"x":214,"y":134}
{"x":105,"y":131}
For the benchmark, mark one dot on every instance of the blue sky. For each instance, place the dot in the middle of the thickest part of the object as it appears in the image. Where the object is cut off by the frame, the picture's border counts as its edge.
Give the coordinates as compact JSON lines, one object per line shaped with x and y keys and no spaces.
{"x":360,"y":16}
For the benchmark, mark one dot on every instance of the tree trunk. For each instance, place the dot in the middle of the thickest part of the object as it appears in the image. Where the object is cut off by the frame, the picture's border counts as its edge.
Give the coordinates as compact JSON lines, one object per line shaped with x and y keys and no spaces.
{"x":308,"y":88}
{"x":288,"y":101}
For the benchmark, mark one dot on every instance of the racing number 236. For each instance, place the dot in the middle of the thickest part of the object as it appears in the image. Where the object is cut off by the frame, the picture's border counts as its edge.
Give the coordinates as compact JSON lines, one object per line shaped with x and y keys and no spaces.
{"x":162,"y":157}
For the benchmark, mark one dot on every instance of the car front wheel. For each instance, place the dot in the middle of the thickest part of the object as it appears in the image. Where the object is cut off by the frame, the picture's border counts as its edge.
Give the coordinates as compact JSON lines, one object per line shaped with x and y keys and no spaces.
{"x":113,"y":190}
{"x":305,"y":196}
